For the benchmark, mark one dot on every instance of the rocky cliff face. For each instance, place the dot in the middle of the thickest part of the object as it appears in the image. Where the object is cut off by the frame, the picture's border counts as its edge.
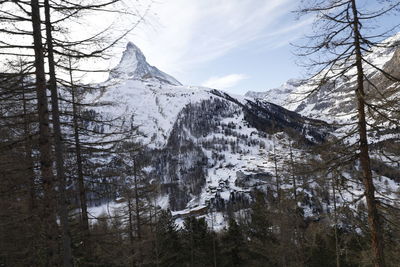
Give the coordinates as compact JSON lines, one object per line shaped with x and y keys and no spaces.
{"x":133,"y":65}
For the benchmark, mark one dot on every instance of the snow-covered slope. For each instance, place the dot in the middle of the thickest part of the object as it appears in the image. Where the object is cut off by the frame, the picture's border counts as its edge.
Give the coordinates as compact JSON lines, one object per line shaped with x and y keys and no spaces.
{"x":204,"y":146}
{"x":277,"y":95}
{"x":335,"y":101}
{"x":150,"y":104}
{"x":209,"y":149}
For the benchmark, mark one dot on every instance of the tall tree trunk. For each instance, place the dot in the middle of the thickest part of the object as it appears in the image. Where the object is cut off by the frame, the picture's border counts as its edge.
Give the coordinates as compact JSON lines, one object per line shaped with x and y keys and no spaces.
{"x":28,"y":150}
{"x":213,"y":239}
{"x":373,"y":215}
{"x":81,"y":180}
{"x":279,"y":218}
{"x":137,"y":202}
{"x":277,"y":180}
{"x":137,"y":211}
{"x":49,"y":207}
{"x":335,"y":217}
{"x":130,"y":221}
{"x":292,"y":173}
{"x":156,"y":249}
{"x":59,"y":150}
{"x":191,"y":243}
{"x":31,"y":199}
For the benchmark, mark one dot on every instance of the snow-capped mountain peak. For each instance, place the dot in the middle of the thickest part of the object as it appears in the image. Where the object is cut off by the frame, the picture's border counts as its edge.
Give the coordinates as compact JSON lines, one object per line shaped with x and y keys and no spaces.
{"x":277,"y":95}
{"x":133,"y":65}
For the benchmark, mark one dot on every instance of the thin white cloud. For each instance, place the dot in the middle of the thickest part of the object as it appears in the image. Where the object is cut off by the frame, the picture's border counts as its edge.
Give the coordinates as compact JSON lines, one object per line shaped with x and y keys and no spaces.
{"x":292,"y":27}
{"x":183,"y":34}
{"x":285,"y":35}
{"x":224,"y":82}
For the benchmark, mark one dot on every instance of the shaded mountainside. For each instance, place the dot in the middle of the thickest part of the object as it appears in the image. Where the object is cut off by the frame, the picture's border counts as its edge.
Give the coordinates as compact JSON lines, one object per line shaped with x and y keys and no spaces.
{"x":269,"y":117}
{"x":213,"y":134}
{"x":207,"y":148}
{"x":335,"y":101}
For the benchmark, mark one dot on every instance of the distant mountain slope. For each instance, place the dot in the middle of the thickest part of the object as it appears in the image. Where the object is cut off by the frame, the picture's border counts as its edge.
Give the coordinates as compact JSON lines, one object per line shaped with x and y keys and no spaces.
{"x":205,"y":147}
{"x":336,"y":101}
{"x":277,"y":95}
{"x":209,"y":150}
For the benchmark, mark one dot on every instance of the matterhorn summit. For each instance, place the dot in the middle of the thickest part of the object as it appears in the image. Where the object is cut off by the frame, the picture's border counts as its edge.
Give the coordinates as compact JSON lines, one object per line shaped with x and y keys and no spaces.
{"x":133,"y":65}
